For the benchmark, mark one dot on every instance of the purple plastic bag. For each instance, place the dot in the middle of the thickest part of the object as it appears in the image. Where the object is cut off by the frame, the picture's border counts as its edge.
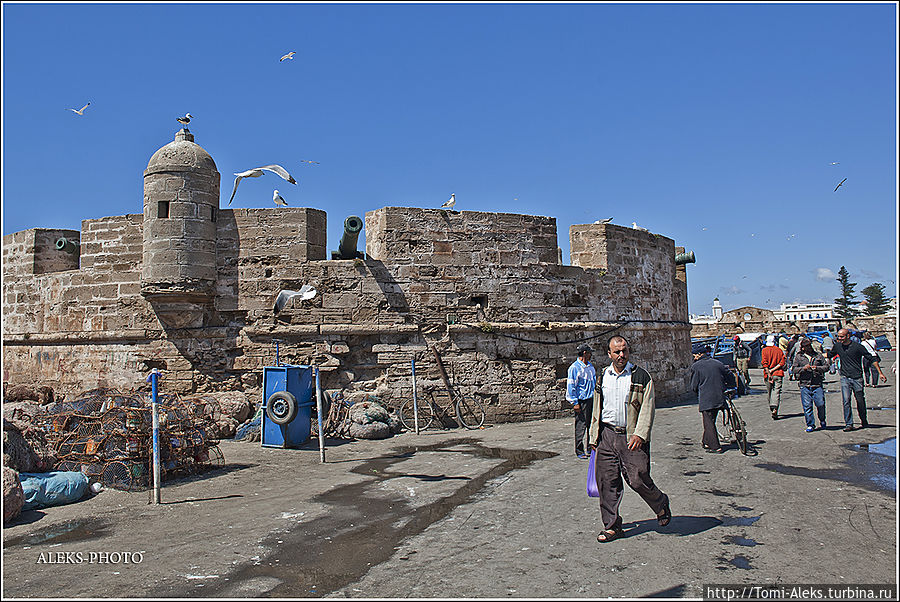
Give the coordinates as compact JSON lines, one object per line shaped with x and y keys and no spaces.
{"x":592,"y":490}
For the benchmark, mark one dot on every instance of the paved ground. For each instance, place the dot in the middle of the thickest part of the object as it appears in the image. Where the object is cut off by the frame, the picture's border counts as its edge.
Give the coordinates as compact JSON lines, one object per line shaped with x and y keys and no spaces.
{"x":500,"y":512}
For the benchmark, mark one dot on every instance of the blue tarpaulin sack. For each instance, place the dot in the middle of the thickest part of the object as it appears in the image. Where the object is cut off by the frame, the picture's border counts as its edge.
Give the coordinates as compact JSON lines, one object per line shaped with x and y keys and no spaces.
{"x":592,"y":490}
{"x":43,"y":489}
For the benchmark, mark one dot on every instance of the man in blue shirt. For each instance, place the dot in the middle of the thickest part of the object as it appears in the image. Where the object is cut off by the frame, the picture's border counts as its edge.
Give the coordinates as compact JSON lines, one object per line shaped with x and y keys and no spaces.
{"x":580,"y":393}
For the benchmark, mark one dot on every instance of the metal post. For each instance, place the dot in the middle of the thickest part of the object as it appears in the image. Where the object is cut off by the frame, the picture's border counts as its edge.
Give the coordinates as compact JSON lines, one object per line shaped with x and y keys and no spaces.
{"x":415,"y":399}
{"x":277,"y":363}
{"x":154,"y":385}
{"x":319,"y":415}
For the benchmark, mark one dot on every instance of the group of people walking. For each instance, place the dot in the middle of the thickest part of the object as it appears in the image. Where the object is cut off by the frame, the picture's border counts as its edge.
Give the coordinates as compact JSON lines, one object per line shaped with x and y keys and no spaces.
{"x":614,"y":412}
{"x":807,"y":365}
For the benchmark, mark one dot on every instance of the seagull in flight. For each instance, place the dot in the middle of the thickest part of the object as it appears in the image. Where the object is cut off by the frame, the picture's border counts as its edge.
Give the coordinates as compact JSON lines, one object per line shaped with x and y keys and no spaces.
{"x":448,"y":204}
{"x":604,"y":221}
{"x":835,"y":163}
{"x":184,"y":120}
{"x":636,"y":227}
{"x":278,"y":200}
{"x":257,"y":172}
{"x":309,"y":162}
{"x":81,"y":110}
{"x":289,"y":55}
{"x":839,"y":185}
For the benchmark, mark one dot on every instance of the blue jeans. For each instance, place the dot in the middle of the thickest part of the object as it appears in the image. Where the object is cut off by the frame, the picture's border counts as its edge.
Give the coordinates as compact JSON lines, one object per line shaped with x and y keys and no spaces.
{"x":854,"y":386}
{"x":810,"y":396}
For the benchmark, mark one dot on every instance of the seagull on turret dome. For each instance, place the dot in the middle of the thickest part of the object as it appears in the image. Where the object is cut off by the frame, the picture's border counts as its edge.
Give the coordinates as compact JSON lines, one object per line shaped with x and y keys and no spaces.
{"x":184,"y":120}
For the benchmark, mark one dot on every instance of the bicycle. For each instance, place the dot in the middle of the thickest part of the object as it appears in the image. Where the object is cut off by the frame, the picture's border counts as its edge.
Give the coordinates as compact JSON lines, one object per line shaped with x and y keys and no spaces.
{"x":733,"y":423}
{"x":468,"y":411}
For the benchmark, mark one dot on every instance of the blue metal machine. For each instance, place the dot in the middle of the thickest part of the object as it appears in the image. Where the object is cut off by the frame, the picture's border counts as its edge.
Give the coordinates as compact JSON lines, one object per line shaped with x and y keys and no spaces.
{"x":287,"y":405}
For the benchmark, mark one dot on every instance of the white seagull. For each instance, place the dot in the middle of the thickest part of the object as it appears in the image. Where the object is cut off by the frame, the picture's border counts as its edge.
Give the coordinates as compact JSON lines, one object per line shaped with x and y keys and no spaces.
{"x":835,"y":163}
{"x":257,"y":172}
{"x":448,"y":204}
{"x":636,"y":227}
{"x":184,"y":120}
{"x":305,"y":293}
{"x":278,"y":200}
{"x":289,"y":55}
{"x":81,"y":110}
{"x":603,"y":221}
{"x":309,"y":162}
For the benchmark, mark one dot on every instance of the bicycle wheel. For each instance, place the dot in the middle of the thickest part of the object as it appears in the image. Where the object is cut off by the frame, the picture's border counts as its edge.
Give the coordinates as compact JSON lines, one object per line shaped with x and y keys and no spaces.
{"x":469,"y":412}
{"x":725,"y":416}
{"x":426,"y":415}
{"x":738,"y":428}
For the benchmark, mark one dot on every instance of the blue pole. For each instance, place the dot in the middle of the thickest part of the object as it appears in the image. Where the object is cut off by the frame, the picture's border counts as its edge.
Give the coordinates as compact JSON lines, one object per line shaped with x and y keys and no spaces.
{"x":154,"y":387}
{"x":415,"y":400}
{"x":319,"y":416}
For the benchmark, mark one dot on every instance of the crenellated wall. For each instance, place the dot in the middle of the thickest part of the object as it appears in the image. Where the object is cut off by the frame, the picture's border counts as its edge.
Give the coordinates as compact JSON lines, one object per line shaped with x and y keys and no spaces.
{"x":485,"y":289}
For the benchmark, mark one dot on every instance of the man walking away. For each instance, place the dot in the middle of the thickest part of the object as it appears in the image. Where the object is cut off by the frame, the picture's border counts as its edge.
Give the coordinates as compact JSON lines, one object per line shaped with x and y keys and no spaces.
{"x":709,"y":379}
{"x":870,"y":374}
{"x":851,"y":354}
{"x":773,"y":371}
{"x":742,"y":359}
{"x":580,"y":393}
{"x":624,"y":405}
{"x":810,"y":367}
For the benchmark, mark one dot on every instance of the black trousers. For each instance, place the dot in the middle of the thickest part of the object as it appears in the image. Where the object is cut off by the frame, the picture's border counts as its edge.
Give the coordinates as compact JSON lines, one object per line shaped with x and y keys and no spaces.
{"x":615,"y":460}
{"x":710,"y":434}
{"x":582,"y":423}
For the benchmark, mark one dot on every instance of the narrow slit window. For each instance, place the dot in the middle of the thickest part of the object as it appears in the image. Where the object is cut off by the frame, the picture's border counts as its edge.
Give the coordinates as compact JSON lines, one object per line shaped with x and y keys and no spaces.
{"x":212,"y":214}
{"x":163,"y":210}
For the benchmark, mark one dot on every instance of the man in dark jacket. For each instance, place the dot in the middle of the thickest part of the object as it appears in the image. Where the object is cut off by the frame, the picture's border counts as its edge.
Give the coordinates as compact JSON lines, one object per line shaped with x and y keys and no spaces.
{"x":851,"y":355}
{"x":709,"y":379}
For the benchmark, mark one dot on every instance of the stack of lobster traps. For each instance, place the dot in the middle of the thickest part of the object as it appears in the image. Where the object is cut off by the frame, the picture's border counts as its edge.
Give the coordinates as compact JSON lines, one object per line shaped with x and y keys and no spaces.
{"x":107,"y":434}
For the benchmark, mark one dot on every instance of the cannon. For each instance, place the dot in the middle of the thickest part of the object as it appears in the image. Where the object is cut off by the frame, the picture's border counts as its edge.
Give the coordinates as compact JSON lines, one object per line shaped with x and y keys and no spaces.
{"x":353,"y":225}
{"x":683,"y":258}
{"x":64,"y":244}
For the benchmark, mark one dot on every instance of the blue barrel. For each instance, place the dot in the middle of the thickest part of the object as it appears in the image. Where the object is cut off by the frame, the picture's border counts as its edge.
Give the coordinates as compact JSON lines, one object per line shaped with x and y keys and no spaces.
{"x":287,"y":405}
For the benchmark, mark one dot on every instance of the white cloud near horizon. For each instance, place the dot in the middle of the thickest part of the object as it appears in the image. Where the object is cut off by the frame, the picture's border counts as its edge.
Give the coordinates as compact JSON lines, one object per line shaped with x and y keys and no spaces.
{"x":825,"y":274}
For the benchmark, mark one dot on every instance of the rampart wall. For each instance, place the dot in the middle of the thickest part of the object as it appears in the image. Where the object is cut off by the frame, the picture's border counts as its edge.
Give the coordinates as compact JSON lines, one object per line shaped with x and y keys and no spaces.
{"x":485,"y":289}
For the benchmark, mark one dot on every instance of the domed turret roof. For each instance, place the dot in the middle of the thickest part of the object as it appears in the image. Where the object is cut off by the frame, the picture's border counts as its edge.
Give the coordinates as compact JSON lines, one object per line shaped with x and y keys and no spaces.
{"x":182,"y":154}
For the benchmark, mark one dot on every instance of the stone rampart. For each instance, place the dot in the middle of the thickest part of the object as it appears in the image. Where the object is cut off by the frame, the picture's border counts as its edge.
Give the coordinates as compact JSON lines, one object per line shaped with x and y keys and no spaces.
{"x":486,"y":290}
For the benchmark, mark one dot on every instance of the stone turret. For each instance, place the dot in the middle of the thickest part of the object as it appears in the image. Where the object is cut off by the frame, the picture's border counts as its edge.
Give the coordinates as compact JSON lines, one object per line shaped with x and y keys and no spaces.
{"x":181,"y":204}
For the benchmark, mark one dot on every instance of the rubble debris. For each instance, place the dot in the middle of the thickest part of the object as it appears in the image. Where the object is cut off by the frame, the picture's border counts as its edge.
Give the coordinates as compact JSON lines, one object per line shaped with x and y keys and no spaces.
{"x":26,"y":449}
{"x":43,"y":394}
{"x":13,"y":496}
{"x":107,"y":435}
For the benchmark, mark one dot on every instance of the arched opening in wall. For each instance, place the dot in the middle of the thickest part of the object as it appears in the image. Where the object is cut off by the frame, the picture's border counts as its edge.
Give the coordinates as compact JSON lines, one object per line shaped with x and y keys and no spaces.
{"x":747,"y":316}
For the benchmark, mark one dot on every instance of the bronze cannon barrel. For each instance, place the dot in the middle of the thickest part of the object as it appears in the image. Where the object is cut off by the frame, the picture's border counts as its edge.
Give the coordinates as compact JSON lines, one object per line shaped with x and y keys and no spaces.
{"x":683,"y":258}
{"x":353,"y":225}
{"x":64,"y":244}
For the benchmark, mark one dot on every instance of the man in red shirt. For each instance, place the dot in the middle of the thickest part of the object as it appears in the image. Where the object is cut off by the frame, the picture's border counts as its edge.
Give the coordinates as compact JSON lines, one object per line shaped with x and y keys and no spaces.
{"x":773,"y":363}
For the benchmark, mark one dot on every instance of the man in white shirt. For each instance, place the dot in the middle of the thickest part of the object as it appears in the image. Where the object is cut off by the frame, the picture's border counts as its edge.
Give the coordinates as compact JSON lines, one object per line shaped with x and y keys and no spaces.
{"x":624,"y":405}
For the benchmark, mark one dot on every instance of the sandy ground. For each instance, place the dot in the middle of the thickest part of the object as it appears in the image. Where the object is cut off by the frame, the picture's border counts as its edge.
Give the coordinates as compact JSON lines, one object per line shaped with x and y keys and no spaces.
{"x":497,"y":512}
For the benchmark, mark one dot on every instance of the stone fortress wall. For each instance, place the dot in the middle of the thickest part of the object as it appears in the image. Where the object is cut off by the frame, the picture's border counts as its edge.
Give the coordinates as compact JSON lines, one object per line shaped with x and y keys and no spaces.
{"x":485,"y":289}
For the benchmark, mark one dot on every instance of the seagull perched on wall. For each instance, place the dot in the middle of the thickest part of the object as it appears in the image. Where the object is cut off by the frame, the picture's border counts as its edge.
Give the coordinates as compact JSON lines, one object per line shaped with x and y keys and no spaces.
{"x":603,"y":221}
{"x":448,"y":204}
{"x":81,"y":110}
{"x":839,"y":185}
{"x":278,"y":199}
{"x":257,"y":172}
{"x":306,"y":292}
{"x":636,"y":227}
{"x":184,"y":120}
{"x":289,"y":55}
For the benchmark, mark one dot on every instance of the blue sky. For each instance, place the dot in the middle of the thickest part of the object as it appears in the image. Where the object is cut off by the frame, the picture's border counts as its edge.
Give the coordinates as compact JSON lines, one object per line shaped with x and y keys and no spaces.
{"x":714,"y":125}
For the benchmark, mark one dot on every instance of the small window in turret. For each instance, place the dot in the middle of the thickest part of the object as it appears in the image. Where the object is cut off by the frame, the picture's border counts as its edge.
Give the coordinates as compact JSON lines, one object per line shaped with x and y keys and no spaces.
{"x":212,"y":214}
{"x":163,"y":210}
